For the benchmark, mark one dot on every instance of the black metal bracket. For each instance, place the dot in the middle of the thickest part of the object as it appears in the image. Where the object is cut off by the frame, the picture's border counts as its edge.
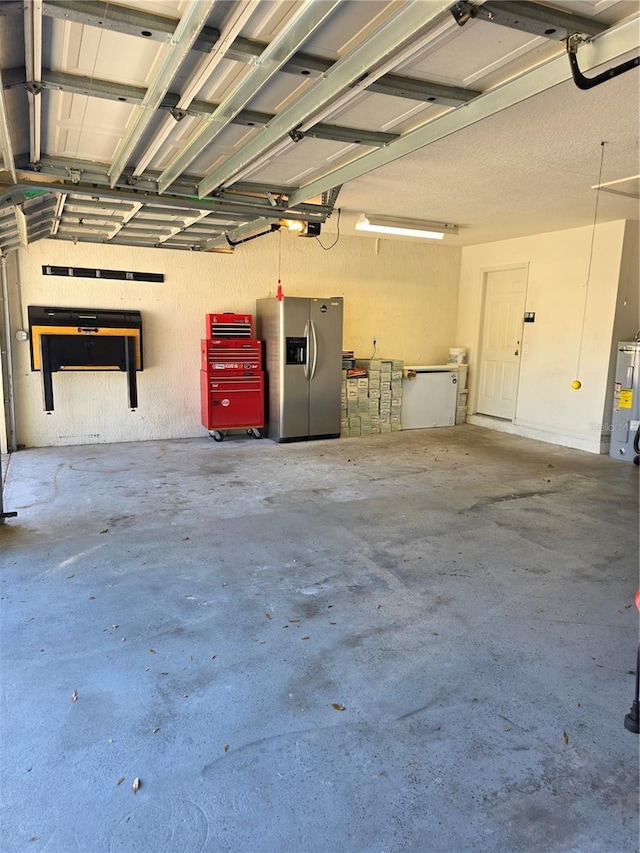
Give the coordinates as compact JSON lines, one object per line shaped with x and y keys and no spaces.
{"x":275,"y":226}
{"x":583,"y":82}
{"x":47,"y":371}
{"x":45,"y":367}
{"x":130,"y":366}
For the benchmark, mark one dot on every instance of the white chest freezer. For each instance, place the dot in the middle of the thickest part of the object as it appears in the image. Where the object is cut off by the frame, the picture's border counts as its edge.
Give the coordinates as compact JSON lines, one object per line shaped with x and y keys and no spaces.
{"x":429,"y":396}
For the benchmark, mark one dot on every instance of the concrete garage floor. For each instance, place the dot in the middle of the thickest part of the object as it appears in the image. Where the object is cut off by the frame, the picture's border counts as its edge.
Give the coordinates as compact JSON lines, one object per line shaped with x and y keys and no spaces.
{"x":421,"y":641}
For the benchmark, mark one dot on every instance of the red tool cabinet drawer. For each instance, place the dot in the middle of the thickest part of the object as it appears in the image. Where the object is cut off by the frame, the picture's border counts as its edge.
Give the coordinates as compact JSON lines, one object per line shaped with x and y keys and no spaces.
{"x":229,"y":326}
{"x":230,"y":355}
{"x":231,"y":403}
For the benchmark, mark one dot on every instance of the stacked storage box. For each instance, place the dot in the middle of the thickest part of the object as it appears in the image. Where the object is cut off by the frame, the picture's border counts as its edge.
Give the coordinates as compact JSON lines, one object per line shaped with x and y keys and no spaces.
{"x":463,"y":393}
{"x":458,"y":357}
{"x":372,"y":401}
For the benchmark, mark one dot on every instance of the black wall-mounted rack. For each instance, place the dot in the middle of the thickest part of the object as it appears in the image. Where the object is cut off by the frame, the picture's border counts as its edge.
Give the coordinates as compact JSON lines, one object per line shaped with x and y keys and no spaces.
{"x":85,"y":339}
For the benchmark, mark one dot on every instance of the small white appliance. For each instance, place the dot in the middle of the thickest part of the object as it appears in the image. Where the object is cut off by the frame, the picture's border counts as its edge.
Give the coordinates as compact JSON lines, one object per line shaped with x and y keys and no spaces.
{"x":429,"y":396}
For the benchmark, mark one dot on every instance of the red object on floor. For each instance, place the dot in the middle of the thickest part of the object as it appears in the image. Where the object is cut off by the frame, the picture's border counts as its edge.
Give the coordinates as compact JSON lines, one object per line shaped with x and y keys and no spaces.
{"x":231,"y":375}
{"x":231,"y":402}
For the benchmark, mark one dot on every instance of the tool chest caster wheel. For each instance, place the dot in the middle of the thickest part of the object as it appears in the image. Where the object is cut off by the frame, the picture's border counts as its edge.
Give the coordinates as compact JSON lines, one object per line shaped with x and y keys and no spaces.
{"x":256,"y":432}
{"x":216,"y":435}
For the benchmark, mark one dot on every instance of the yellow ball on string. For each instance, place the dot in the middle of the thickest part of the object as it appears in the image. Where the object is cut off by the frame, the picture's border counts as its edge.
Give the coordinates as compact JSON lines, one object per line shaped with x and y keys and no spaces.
{"x":576,"y":384}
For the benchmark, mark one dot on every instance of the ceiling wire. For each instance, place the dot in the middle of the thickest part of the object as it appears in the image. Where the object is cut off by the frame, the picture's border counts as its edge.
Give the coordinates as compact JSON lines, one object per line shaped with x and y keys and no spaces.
{"x":326,"y":248}
{"x":279,"y":290}
{"x":279,"y":255}
{"x":588,"y":280}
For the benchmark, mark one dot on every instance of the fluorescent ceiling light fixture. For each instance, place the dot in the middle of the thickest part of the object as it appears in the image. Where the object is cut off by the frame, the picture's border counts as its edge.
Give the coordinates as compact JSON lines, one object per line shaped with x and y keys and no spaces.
{"x":405,"y":227}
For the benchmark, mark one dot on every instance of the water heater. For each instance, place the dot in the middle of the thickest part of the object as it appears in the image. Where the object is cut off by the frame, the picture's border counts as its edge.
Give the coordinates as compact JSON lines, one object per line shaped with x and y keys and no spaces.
{"x":625,"y":416}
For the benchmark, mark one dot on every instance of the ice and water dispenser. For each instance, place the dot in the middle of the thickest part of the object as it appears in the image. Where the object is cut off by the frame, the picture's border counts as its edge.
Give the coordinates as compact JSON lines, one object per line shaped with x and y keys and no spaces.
{"x":296,"y":350}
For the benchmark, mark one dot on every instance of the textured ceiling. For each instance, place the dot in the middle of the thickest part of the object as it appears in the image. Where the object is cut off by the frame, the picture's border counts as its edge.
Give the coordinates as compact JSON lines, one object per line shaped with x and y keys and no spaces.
{"x":196,"y":125}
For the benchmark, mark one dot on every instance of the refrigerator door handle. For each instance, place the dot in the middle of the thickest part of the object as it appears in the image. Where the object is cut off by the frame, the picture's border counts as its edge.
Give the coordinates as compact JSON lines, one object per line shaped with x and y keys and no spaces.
{"x":630,"y":376}
{"x":315,"y":350}
{"x":306,"y":362}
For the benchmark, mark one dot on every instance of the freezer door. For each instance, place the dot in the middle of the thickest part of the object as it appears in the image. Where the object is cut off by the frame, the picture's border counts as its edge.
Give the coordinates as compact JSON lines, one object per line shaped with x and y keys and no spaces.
{"x":293,"y":415}
{"x":325,"y":366}
{"x":429,"y":400}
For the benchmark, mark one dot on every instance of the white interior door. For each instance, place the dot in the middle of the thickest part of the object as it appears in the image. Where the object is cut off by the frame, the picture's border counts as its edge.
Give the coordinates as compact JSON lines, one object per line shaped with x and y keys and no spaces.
{"x":504,"y":302}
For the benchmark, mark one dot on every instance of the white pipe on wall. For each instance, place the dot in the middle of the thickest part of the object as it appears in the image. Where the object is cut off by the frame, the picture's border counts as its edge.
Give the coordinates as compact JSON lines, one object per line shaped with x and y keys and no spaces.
{"x":9,"y":402}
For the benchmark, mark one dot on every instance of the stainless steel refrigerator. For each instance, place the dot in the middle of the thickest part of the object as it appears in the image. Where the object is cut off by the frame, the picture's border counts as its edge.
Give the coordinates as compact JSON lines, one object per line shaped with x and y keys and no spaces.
{"x":625,"y":417}
{"x":302,"y":338}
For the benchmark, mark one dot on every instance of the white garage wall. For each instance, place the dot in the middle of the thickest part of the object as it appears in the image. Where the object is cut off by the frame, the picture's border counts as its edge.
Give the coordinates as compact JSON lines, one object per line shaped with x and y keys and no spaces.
{"x":400,"y":293}
{"x":547,"y":406}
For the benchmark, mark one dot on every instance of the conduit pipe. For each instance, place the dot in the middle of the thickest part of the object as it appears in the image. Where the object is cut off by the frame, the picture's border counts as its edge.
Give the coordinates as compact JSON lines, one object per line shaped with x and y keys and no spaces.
{"x":7,"y":358}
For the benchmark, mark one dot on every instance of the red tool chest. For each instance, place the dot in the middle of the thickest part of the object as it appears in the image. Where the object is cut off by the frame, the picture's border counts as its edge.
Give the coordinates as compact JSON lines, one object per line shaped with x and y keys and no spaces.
{"x":232,"y":402}
{"x":231,"y":376}
{"x":229,"y":326}
{"x":227,"y":354}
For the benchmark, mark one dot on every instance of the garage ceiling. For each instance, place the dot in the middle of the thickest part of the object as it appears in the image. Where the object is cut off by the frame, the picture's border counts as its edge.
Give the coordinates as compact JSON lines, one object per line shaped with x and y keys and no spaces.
{"x":198,"y":124}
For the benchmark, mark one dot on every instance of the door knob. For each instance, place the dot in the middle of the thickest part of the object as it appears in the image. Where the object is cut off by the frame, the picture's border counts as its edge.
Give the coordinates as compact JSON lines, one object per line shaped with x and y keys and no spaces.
{"x":517,"y":352}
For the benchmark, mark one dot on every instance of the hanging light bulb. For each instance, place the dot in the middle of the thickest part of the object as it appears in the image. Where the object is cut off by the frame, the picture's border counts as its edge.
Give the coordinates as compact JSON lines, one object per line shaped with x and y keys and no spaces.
{"x":293,"y":225}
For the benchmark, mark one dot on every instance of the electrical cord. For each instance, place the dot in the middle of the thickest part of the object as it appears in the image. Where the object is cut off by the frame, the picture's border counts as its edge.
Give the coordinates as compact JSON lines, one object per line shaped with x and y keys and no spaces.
{"x":327,"y":248}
